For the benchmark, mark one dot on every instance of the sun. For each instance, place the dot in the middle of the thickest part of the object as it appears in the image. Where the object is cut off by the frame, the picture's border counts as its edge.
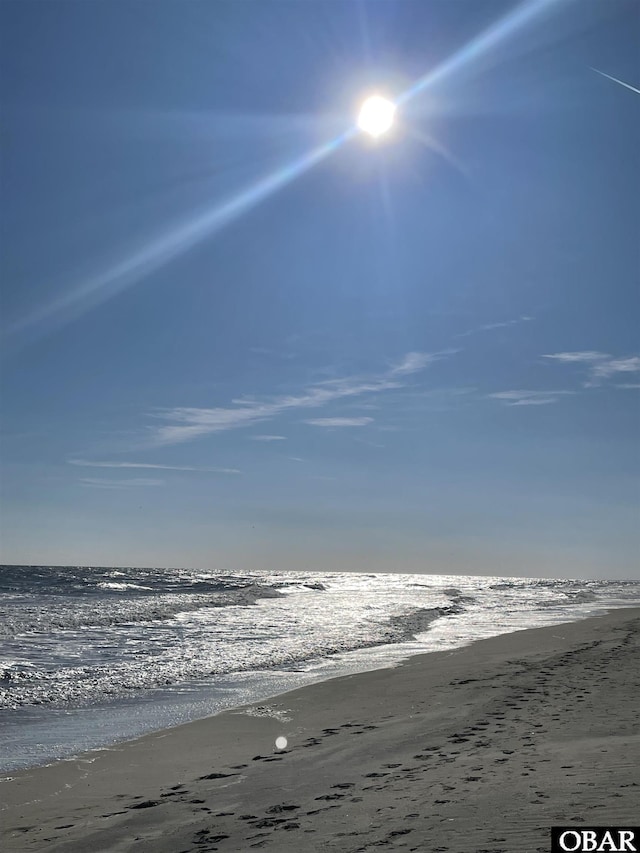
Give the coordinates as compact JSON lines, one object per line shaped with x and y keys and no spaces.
{"x":376,"y":115}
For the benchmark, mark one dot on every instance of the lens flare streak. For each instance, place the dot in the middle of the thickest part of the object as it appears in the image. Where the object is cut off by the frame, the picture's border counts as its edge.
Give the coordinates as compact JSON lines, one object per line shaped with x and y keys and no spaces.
{"x":479,"y":46}
{"x":175,"y":243}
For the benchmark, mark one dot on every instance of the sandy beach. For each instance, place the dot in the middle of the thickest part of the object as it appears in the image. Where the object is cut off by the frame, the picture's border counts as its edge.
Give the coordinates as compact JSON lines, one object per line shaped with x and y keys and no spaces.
{"x":478,"y":750}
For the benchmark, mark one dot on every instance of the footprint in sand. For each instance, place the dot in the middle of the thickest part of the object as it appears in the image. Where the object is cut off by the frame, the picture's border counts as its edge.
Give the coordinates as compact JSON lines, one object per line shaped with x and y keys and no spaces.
{"x":218,"y":775}
{"x":282,"y":807}
{"x":269,"y":821}
{"x":147,"y":804}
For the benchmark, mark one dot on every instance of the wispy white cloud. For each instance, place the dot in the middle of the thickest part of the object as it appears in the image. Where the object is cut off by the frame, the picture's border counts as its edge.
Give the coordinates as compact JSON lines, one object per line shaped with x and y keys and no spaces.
{"x":605,"y":369}
{"x":268,"y":437}
{"x":528,"y":398}
{"x":629,"y":386}
{"x":415,"y":361}
{"x":104,"y":483}
{"x":600,"y":365}
{"x":488,"y":327}
{"x":582,"y":357}
{"x":89,"y":464}
{"x":339,"y":422}
{"x":188,"y":423}
{"x":244,"y":401}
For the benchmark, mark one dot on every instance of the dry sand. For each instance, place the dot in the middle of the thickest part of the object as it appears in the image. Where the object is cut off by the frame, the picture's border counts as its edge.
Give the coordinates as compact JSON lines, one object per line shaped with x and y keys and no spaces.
{"x":479,"y":750}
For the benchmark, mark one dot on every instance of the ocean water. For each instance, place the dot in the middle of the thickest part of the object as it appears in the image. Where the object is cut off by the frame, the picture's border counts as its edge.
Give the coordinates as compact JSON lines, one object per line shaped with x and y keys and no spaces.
{"x":91,"y":656}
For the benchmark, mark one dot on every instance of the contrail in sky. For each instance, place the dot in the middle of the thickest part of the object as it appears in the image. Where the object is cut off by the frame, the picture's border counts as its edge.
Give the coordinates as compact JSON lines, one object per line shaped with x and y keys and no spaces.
{"x":615,"y":80}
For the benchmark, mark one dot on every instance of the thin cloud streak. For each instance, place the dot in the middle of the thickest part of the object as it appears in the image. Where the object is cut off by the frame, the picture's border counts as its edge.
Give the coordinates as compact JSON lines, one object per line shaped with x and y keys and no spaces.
{"x":339,"y":422}
{"x":412,"y":362}
{"x":415,"y":361}
{"x":628,"y":364}
{"x":103,"y":483}
{"x":189,"y":423}
{"x":488,"y":327}
{"x":587,"y":357}
{"x":528,"y":398}
{"x":268,"y":437}
{"x":88,"y":464}
{"x":601,"y":365}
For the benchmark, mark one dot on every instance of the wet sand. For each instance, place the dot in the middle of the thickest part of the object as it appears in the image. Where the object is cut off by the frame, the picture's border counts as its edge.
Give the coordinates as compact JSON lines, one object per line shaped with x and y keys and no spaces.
{"x":478,"y":750}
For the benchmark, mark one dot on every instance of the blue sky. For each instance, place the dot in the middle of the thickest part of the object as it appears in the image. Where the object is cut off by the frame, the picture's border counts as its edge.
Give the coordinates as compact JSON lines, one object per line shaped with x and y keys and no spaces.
{"x":236,"y":334}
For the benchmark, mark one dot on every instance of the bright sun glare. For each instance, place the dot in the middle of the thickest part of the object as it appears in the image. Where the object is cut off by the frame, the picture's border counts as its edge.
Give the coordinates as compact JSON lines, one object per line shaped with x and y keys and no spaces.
{"x":376,"y":115}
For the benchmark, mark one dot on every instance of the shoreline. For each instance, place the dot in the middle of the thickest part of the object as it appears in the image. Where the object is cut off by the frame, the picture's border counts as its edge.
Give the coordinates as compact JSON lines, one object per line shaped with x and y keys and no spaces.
{"x":433,"y":745}
{"x":121,"y":721}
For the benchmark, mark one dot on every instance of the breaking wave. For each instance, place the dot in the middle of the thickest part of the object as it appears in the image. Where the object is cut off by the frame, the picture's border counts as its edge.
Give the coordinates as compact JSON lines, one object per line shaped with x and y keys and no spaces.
{"x":52,"y":614}
{"x":141,"y":668}
{"x":73,"y":636}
